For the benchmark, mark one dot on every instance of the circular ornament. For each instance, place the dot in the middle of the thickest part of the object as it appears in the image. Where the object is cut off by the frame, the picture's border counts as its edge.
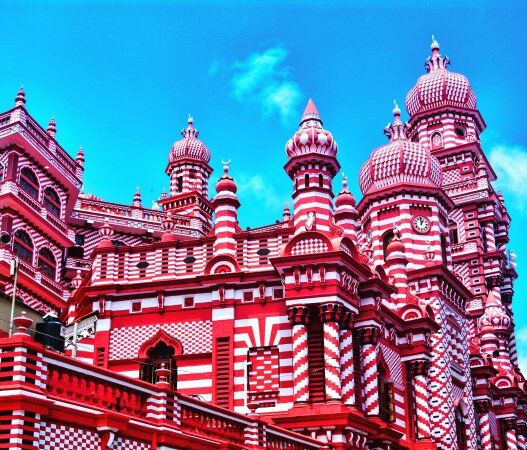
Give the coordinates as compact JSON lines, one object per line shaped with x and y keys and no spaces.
{"x":421,"y":224}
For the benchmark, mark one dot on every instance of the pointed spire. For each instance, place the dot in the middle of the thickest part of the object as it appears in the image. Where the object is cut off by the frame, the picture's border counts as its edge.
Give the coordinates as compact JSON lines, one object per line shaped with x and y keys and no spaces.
{"x":310,"y":113}
{"x":436,"y":61}
{"x":396,"y":129}
{"x":20,"y":99}
{"x":163,"y":193}
{"x":52,"y":127}
{"x":137,"y":197}
{"x":190,"y":131}
{"x":80,"y":157}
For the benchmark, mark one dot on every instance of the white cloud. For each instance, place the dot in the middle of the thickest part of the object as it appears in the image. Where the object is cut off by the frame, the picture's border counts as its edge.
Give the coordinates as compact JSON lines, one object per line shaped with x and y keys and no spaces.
{"x":262,"y":80}
{"x":261,"y":192}
{"x":521,"y":341}
{"x":510,"y":164}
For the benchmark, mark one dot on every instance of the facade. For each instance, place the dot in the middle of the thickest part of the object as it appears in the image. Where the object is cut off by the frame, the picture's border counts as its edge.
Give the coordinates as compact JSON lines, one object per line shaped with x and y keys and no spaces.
{"x":382,"y":324}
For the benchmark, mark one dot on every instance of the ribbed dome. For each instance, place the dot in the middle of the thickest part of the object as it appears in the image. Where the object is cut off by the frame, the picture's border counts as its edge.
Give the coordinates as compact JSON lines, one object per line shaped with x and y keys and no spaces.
{"x":494,"y":318}
{"x":311,"y":137}
{"x":399,"y":161}
{"x":439,"y":87}
{"x":190,"y":147}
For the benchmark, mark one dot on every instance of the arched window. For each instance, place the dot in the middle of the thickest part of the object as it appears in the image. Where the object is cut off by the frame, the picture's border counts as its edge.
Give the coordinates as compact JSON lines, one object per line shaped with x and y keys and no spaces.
{"x":436,"y":140}
{"x":47,"y":263}
{"x":306,"y":180}
{"x":23,"y":246}
{"x":51,"y":201}
{"x":161,"y":353}
{"x":444,"y":250}
{"x":385,"y":241}
{"x":320,"y":180}
{"x":29,"y":182}
{"x":452,"y":230}
{"x":1,"y":172}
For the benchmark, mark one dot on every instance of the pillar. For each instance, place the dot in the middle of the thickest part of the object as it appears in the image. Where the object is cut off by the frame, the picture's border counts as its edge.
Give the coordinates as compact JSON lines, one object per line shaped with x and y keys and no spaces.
{"x":347,"y":365}
{"x":299,"y":317}
{"x":422,"y":406}
{"x":485,"y":434}
{"x":369,"y":337}
{"x":521,"y":437}
{"x":330,"y":314}
{"x":510,"y":434}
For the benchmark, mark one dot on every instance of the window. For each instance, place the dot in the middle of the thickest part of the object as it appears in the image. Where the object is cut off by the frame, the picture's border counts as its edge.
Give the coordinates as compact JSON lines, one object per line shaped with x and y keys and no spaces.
{"x":436,"y":140}
{"x":461,"y":432}
{"x":263,"y":375}
{"x":306,"y":180}
{"x":1,"y":172}
{"x":51,"y":201}
{"x":278,"y":293}
{"x":386,"y":403}
{"x":79,"y":239}
{"x":29,"y":182}
{"x":320,"y":180}
{"x":23,"y":246}
{"x":188,"y":302}
{"x":179,"y":184}
{"x":452,"y":229}
{"x":248,"y":296}
{"x":136,"y":307}
{"x":460,"y":132}
{"x":444,"y":250}
{"x":47,"y":263}
{"x":160,"y":354}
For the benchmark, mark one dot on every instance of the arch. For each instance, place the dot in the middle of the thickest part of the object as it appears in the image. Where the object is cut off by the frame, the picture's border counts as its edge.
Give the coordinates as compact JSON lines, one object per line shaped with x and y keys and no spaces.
{"x":444,"y":249}
{"x":380,"y":273}
{"x":222,"y":264}
{"x":23,"y":246}
{"x":28,"y":181}
{"x":160,"y":336}
{"x":306,"y":243}
{"x":436,"y":140}
{"x":47,"y":263}
{"x":51,"y":201}
{"x":306,"y":180}
{"x":320,"y":180}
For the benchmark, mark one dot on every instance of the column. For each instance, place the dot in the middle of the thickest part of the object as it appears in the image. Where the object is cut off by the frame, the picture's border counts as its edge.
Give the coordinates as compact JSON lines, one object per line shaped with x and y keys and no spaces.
{"x":347,"y":367}
{"x":510,"y":434}
{"x":521,"y":437}
{"x":422,"y":406}
{"x":330,"y":314}
{"x":369,"y":337}
{"x":489,"y":236}
{"x":485,"y":434}
{"x":299,"y":317}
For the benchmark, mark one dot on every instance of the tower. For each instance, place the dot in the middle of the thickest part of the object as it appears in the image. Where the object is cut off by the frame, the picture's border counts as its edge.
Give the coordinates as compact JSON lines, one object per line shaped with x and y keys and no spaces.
{"x":312,"y":165}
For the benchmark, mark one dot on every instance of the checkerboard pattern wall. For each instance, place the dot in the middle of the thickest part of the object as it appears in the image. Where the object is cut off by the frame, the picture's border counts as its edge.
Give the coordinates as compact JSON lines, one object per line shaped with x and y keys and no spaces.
{"x":54,"y":436}
{"x":264,"y":371}
{"x":310,"y":245}
{"x":127,"y":444}
{"x":195,"y":337}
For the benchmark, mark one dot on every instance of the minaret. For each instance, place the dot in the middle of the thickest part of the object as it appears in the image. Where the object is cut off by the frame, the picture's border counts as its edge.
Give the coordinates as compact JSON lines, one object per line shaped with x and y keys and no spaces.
{"x":345,"y":213}
{"x":312,"y":165}
{"x":137,"y":198}
{"x":226,"y":206}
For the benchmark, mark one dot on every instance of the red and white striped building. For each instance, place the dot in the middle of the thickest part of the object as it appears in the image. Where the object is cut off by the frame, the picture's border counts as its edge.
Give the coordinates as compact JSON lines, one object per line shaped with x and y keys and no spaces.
{"x":382,"y":324}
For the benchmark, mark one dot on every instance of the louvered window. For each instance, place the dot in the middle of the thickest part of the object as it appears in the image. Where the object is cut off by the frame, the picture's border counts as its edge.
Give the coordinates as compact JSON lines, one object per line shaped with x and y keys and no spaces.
{"x":222,"y":372}
{"x":316,"y":360}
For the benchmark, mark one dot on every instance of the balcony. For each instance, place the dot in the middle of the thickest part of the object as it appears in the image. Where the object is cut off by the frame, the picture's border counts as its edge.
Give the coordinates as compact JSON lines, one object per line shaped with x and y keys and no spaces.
{"x":65,"y":235}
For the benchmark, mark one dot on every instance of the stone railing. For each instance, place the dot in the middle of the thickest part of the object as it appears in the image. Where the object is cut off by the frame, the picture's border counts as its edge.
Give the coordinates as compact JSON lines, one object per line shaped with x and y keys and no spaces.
{"x":67,"y":384}
{"x":9,"y":187}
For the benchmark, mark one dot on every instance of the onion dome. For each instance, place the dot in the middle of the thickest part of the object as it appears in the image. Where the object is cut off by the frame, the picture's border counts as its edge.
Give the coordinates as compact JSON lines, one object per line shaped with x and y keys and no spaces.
{"x":20,"y":99}
{"x":494,"y":318}
{"x":226,"y":182}
{"x":190,"y":147}
{"x":311,"y":137}
{"x":439,"y":87}
{"x":399,"y":161}
{"x":345,"y":197}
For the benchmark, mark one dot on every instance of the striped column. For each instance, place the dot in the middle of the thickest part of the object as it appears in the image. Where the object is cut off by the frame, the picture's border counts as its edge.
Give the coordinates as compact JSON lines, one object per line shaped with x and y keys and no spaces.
{"x":510,"y":434}
{"x":299,"y":317}
{"x":522,"y":442}
{"x":422,"y":406}
{"x":369,"y":337}
{"x":330,"y":314}
{"x":489,"y":237}
{"x":347,"y":372}
{"x":226,"y":209}
{"x":485,"y":434}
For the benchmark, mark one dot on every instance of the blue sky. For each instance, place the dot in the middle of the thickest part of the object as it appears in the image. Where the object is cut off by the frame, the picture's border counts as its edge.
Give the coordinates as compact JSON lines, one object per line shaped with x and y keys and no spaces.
{"x":121,"y":77}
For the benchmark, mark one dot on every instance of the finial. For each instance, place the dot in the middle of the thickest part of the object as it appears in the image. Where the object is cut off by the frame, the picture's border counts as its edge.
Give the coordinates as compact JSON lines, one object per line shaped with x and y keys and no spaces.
{"x":226,"y":165}
{"x":190,"y":131}
{"x":435,"y":44}
{"x":137,"y":197}
{"x":396,"y":111}
{"x":80,"y":157}
{"x":344,"y":182}
{"x":52,"y":126}
{"x":20,"y":99}
{"x":190,"y":120}
{"x":286,"y":215}
{"x":164,"y":193}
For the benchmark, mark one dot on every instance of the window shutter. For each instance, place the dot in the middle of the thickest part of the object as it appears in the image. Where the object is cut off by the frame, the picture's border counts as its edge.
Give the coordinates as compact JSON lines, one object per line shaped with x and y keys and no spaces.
{"x":222,"y":372}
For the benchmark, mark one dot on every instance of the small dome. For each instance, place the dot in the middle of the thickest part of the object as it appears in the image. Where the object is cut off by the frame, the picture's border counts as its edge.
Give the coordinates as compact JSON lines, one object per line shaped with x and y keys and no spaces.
{"x":345,"y":197}
{"x":399,"y":161}
{"x":439,"y":87}
{"x":190,"y":147}
{"x":226,"y":182}
{"x":494,"y":318}
{"x":311,"y":137}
